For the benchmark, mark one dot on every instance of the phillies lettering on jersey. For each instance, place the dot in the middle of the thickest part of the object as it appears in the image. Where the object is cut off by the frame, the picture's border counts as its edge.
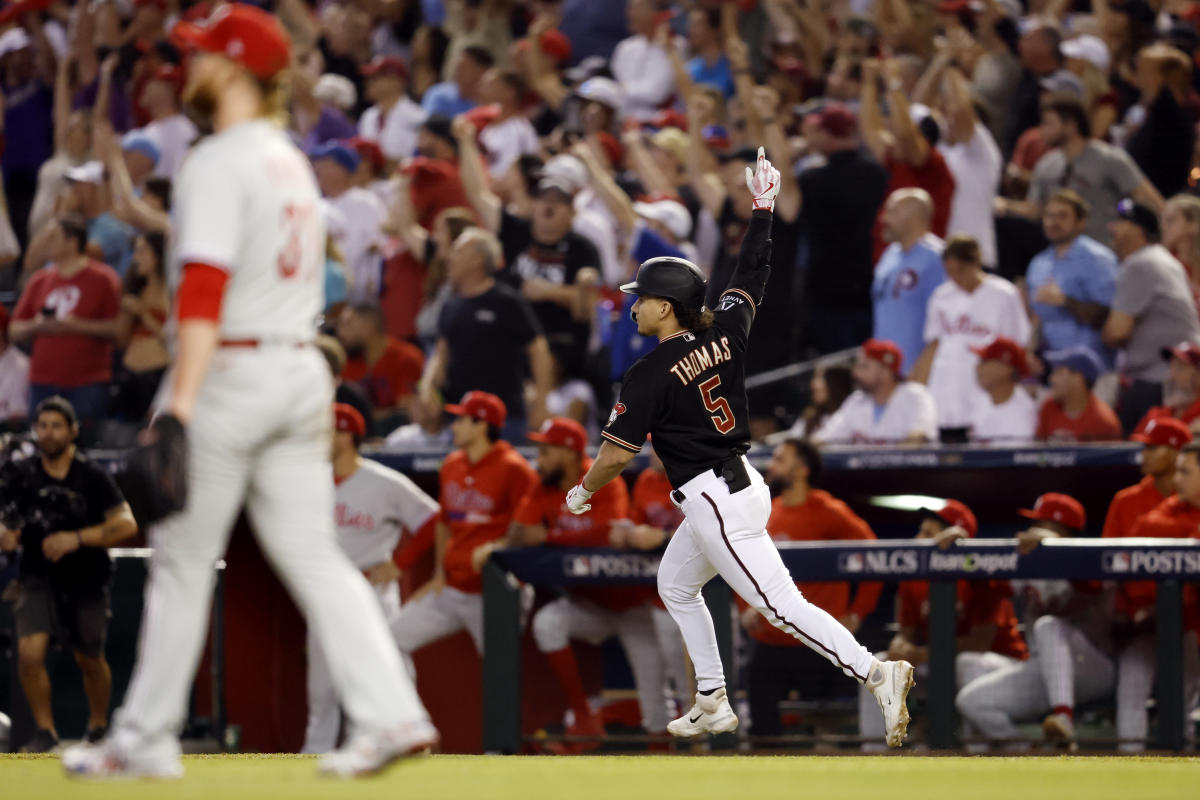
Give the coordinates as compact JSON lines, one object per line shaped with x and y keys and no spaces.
{"x":375,"y":507}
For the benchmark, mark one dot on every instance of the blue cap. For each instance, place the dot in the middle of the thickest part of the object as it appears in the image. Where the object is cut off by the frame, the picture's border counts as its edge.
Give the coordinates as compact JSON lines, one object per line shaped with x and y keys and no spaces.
{"x":1078,"y":359}
{"x":343,"y":154}
{"x":135,"y":142}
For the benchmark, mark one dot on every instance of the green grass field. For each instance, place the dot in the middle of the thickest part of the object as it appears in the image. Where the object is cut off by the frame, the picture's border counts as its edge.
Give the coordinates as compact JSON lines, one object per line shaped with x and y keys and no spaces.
{"x":632,"y":778}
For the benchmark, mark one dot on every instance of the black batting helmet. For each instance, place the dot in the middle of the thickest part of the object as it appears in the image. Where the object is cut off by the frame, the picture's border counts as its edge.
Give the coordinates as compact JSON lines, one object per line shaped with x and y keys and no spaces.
{"x":670,"y":278}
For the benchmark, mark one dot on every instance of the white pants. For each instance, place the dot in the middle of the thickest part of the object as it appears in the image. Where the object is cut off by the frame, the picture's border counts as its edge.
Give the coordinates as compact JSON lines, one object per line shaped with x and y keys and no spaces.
{"x":324,"y":711}
{"x":260,"y":437}
{"x":726,"y":534}
{"x":436,"y":616}
{"x":1065,"y":669}
{"x":968,"y":667}
{"x":670,"y":645}
{"x":1135,"y":681}
{"x":566,"y":618}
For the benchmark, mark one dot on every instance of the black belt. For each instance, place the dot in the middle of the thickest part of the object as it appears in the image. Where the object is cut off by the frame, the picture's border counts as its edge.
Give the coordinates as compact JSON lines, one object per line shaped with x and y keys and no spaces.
{"x":732,"y":470}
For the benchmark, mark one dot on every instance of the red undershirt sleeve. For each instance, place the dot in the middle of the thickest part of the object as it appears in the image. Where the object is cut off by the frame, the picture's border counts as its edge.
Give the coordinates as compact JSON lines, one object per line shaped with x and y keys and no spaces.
{"x":201,"y":292}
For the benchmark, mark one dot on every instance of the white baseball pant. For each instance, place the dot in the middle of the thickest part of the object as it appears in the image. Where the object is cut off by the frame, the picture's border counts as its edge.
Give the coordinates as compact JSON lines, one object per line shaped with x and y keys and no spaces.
{"x":725,"y":534}
{"x":566,"y":618}
{"x":436,"y":616}
{"x":1064,"y":669}
{"x":324,"y":711}
{"x":968,"y":667}
{"x":1135,"y":682}
{"x":268,"y":450}
{"x":670,"y":645}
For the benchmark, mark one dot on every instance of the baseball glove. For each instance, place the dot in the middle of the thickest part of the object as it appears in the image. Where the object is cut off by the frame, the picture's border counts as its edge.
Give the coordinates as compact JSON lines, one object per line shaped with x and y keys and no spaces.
{"x":154,"y":480}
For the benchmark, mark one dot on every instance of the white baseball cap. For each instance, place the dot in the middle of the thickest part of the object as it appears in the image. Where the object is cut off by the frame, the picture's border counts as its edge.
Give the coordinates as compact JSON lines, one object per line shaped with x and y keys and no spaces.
{"x":336,"y":90}
{"x":567,"y":168}
{"x":87,"y":172}
{"x":602,"y":90}
{"x":670,"y":213}
{"x":14,"y":39}
{"x":1088,"y":48}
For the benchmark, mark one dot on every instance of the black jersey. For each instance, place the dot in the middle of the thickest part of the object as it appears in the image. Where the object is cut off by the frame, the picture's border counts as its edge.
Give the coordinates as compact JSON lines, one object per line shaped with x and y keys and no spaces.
{"x":689,"y":392}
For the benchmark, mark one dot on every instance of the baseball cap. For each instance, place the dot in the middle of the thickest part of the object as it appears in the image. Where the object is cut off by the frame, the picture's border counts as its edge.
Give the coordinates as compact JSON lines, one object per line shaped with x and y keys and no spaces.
{"x":553,"y":43}
{"x":671,"y":213}
{"x":346,"y":418}
{"x":336,"y":90}
{"x":386,"y":65}
{"x":482,"y":406}
{"x":559,"y":183}
{"x":439,"y":126}
{"x":368,"y":150}
{"x":1185,"y":351}
{"x":1078,"y":359}
{"x":1062,"y":81}
{"x":87,"y":172}
{"x":885,"y":352}
{"x":953,"y":512}
{"x":242,"y":33}
{"x":1088,"y":48}
{"x":482,"y":116}
{"x":561,"y":432}
{"x":602,"y":90}
{"x":138,"y":143}
{"x":1055,"y":507}
{"x":341,"y":153}
{"x":1164,"y":432}
{"x":668,"y":118}
{"x":716,"y":137}
{"x":1141,"y":215}
{"x":1005,"y":350}
{"x":672,"y":140}
{"x":568,"y":168}
{"x":13,"y":40}
{"x":837,"y":120}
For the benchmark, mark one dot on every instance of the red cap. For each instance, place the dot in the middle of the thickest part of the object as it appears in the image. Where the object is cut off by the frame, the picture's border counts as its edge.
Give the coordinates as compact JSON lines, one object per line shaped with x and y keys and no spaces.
{"x":368,"y":151}
{"x":837,"y":120}
{"x":481,"y":405}
{"x":346,"y":418}
{"x":611,"y":147}
{"x":482,"y":116}
{"x":670,"y":118}
{"x":1187,"y":352}
{"x":1006,"y":350}
{"x":956,"y":513}
{"x":885,"y":352}
{"x":386,"y":65}
{"x":553,"y":44}
{"x":561,"y":432}
{"x":1055,"y":507}
{"x":242,"y":33}
{"x":1164,"y":432}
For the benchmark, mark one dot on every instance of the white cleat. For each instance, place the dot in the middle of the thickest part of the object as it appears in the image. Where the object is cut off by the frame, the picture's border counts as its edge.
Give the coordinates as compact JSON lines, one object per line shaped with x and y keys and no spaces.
{"x":1059,"y":730}
{"x":369,"y":753}
{"x":102,"y":761}
{"x":890,"y":681}
{"x":711,"y":714}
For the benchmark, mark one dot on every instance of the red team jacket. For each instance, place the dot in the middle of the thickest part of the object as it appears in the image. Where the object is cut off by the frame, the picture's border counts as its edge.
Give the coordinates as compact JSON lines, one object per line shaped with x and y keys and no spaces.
{"x":1128,"y":506}
{"x":979,"y":603}
{"x":1175,"y":519}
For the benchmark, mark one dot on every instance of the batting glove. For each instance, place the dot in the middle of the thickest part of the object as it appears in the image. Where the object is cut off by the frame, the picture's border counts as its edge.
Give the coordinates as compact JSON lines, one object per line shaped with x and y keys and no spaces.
{"x":577,"y":500}
{"x":763,"y":183}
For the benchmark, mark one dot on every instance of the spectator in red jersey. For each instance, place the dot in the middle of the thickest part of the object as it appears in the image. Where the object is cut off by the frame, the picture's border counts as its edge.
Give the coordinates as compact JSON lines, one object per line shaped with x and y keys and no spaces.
{"x":801,"y":512}
{"x":386,"y":367}
{"x":1073,"y":412}
{"x":1181,"y":392}
{"x":69,"y":312}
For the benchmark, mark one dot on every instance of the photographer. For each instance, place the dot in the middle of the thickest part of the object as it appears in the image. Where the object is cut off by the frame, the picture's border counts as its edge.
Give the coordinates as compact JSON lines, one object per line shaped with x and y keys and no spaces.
{"x":62,"y":511}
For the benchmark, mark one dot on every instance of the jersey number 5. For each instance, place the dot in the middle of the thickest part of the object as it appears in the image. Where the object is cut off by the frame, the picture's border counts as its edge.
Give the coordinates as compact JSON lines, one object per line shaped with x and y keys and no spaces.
{"x":722,"y":417}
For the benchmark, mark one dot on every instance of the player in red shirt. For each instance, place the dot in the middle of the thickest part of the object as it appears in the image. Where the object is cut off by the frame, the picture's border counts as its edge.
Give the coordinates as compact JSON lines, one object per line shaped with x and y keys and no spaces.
{"x":1073,"y":412}
{"x":1181,"y":392}
{"x":69,"y":310}
{"x":988,"y":636}
{"x":801,"y":512}
{"x":482,"y":483}
{"x":387,"y":368}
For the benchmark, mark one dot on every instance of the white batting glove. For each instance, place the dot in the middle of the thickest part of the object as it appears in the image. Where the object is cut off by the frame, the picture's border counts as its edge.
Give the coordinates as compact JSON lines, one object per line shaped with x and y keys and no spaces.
{"x":763,"y":183}
{"x":577,"y":500}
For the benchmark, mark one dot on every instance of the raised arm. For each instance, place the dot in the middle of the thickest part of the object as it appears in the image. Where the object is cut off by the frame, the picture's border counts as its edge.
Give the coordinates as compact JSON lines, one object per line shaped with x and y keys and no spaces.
{"x":701,"y":166}
{"x":652,"y":177}
{"x":911,"y":146}
{"x":470,"y":166}
{"x":766,"y":105}
{"x":126,"y":203}
{"x":870,"y":115}
{"x":605,"y":187}
{"x":754,"y":259}
{"x":543,"y":77}
{"x":62,"y":103}
{"x":960,"y":111}
{"x":402,"y":220}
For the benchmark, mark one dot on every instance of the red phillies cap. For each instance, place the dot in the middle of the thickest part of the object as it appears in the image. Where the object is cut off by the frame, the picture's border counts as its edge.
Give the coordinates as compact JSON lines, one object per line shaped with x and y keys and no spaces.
{"x":553,"y":43}
{"x":482,"y":116}
{"x":1055,"y":507}
{"x":1187,"y":352}
{"x":1164,"y":432}
{"x":346,"y":418}
{"x":242,"y":33}
{"x":956,"y":513}
{"x":838,"y":121}
{"x":561,"y":432}
{"x":386,"y":65}
{"x":481,"y":405}
{"x":368,"y":151}
{"x":669,"y":118}
{"x":885,"y":352}
{"x":1005,"y":350}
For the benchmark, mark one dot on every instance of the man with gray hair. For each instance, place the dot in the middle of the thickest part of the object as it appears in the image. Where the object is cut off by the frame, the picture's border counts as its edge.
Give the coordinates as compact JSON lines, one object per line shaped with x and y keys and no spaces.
{"x":907,"y":272}
{"x":485,"y":332}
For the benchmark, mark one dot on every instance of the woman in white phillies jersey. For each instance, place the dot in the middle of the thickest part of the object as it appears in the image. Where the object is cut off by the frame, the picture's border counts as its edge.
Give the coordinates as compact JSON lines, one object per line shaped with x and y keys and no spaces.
{"x":254,"y":395}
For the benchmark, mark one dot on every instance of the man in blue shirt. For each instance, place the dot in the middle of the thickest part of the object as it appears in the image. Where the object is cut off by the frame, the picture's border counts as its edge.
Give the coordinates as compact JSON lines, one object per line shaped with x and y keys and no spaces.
{"x":907,"y":273}
{"x":461,"y":94}
{"x":1071,"y":283}
{"x":709,"y":67}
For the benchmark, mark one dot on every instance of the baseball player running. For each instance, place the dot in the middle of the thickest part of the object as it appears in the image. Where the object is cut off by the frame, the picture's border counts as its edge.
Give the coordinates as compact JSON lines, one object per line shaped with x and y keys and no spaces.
{"x":255,"y":397}
{"x":689,"y":392}
{"x":375,"y":507}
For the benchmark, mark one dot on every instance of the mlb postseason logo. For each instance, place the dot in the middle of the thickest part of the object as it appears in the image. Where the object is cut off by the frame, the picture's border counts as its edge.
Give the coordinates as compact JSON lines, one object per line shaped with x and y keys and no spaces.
{"x":1151,"y":562}
{"x":879,"y":562}
{"x":606,"y":565}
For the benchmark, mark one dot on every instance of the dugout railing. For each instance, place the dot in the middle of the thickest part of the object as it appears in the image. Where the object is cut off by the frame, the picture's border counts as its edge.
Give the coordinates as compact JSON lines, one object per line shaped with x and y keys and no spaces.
{"x":1168,"y":562}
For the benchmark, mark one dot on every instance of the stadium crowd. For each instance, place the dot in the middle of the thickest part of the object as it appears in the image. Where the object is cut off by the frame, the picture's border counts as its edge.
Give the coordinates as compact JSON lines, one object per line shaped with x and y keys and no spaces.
{"x":992,"y":204}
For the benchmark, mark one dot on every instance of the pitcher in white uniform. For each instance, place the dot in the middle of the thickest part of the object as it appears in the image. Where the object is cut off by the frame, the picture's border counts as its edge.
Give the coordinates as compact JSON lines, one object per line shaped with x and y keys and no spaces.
{"x":255,"y":396}
{"x":376,"y":508}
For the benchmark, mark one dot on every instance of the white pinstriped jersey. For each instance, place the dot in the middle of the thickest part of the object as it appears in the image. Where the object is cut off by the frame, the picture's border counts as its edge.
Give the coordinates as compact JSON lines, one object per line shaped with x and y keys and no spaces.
{"x":374,"y":508}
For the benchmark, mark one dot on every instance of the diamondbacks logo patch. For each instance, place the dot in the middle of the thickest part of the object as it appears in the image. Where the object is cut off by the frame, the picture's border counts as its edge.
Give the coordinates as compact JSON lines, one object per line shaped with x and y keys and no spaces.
{"x":617,"y":411}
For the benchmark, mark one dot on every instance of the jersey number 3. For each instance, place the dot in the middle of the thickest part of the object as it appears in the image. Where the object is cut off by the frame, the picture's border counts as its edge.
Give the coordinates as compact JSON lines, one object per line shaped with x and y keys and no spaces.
{"x":722,"y":414}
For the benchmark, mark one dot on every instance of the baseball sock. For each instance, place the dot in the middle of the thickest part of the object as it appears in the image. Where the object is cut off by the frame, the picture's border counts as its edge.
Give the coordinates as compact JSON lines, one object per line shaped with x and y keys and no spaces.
{"x":566,"y":669}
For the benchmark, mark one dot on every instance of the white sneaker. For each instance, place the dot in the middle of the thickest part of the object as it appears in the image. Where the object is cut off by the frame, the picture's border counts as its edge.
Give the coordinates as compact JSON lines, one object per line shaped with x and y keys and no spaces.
{"x":101,"y":760}
{"x":1059,"y":730}
{"x":368,"y":753}
{"x":890,"y":681}
{"x":711,"y":714}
